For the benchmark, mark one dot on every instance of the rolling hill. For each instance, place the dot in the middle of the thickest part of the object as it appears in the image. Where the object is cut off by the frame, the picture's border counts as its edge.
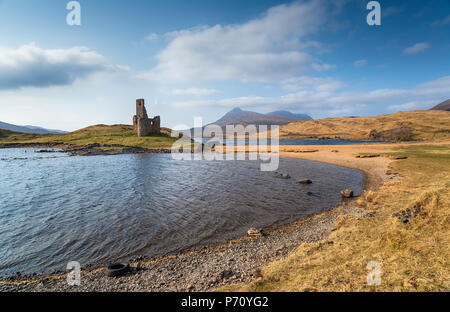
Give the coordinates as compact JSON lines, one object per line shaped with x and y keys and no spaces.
{"x":98,"y":134}
{"x":411,"y":125}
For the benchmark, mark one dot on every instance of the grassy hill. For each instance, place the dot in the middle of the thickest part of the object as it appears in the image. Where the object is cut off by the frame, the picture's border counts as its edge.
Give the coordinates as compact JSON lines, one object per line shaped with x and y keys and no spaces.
{"x":101,"y":134}
{"x":7,"y":136}
{"x":415,"y":125}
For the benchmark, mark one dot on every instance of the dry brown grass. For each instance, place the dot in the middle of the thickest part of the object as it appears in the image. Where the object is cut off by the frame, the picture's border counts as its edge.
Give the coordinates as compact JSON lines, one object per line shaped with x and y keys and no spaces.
{"x":413,"y":257}
{"x":427,"y":125}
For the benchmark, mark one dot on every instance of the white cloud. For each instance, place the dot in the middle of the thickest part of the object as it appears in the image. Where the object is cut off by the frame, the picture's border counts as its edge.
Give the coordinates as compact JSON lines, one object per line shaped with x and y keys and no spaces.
{"x":412,"y":106}
{"x":390,"y":11}
{"x":322,"y":67}
{"x":32,"y":66}
{"x":195,"y":91}
{"x":360,"y":63}
{"x":417,"y":48}
{"x":334,"y":100}
{"x":315,"y":83}
{"x":444,"y":21}
{"x":264,"y":49}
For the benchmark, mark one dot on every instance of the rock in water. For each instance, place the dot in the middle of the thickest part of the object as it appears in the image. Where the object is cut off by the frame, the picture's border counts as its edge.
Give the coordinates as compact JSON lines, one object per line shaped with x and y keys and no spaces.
{"x":285,"y":176}
{"x":305,"y":181}
{"x":347,"y":193}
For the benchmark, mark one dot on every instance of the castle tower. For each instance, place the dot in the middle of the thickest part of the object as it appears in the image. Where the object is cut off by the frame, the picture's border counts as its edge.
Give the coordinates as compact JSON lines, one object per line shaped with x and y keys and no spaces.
{"x":142,"y":125}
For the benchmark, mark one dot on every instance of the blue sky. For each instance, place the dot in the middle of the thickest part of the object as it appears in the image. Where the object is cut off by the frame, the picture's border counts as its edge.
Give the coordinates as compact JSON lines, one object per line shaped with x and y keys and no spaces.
{"x":203,"y":58}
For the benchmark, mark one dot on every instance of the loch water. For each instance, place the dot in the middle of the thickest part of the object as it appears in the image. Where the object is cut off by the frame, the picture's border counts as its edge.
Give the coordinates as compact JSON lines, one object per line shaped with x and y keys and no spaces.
{"x":56,"y":208}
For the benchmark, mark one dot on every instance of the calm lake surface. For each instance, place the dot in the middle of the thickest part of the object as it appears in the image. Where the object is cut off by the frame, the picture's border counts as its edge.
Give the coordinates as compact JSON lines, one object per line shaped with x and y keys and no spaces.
{"x":95,"y":210}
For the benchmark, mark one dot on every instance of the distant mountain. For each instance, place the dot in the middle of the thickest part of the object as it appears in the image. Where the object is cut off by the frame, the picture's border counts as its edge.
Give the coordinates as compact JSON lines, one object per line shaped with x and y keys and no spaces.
{"x":286,"y":114}
{"x":28,"y":129}
{"x":442,"y":106}
{"x":242,"y":117}
{"x":238,"y":116}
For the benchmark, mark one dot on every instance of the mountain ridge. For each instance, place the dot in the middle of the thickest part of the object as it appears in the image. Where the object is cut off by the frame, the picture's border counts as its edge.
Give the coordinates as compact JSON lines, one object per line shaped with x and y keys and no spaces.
{"x":29,"y":129}
{"x":288,"y":114}
{"x":245,"y":117}
{"x":445,"y":106}
{"x":238,"y":116}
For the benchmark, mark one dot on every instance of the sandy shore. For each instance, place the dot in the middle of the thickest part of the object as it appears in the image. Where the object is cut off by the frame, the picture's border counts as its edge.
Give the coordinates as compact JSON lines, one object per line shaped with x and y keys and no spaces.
{"x":238,"y":260}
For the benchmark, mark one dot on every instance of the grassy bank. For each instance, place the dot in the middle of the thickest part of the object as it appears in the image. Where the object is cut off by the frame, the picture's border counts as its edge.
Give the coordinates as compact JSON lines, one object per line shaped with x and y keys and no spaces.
{"x":101,"y":134}
{"x":413,"y":257}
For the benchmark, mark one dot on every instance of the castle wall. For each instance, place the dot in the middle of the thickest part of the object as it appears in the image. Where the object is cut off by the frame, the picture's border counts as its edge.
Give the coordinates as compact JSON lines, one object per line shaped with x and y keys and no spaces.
{"x":142,"y":125}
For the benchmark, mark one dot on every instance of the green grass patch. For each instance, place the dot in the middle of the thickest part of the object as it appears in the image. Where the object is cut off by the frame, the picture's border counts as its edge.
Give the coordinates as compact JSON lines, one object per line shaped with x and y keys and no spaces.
{"x":100,"y":134}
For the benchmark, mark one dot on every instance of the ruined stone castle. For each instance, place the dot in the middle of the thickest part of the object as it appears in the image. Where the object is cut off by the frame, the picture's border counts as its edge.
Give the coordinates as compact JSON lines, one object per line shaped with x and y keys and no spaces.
{"x":142,"y":125}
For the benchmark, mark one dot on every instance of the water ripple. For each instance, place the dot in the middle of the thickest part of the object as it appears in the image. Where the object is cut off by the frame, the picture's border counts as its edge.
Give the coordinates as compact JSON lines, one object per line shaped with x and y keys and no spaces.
{"x":56,"y":209}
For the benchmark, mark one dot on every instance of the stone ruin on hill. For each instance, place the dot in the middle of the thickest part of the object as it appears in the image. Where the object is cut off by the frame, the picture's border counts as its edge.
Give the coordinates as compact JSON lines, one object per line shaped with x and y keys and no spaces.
{"x":142,"y":125}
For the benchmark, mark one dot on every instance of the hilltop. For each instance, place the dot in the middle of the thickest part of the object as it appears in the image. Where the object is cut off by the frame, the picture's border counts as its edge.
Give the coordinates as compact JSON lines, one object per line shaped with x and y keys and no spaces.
{"x":244,"y":117}
{"x":238,"y":116}
{"x":442,"y":106}
{"x":287,"y":114}
{"x":403,"y":126}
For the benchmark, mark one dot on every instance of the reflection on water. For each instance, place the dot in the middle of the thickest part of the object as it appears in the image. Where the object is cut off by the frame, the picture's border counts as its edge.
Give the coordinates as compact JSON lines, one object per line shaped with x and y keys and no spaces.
{"x":55,"y":209}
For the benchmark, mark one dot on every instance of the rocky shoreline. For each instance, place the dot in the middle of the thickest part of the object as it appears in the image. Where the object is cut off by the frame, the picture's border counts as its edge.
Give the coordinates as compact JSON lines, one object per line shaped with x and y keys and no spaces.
{"x":88,"y":150}
{"x":238,"y":261}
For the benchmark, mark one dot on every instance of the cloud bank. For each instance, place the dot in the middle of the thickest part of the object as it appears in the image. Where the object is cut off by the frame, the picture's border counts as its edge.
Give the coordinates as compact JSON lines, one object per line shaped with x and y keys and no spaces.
{"x":265,"y":49}
{"x":32,"y":66}
{"x":195,"y":91}
{"x":318,"y":94}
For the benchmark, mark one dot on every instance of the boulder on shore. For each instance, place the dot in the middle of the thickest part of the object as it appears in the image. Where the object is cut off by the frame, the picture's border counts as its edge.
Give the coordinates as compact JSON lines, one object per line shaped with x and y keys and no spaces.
{"x":347,"y":193}
{"x":254,"y":232}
